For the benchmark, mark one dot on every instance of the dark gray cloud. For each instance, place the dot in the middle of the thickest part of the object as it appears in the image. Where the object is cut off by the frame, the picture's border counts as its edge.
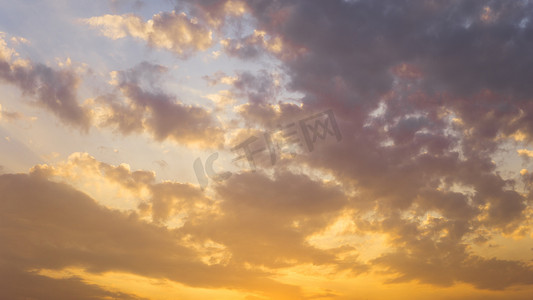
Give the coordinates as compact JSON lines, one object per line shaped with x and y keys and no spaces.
{"x":450,"y":80}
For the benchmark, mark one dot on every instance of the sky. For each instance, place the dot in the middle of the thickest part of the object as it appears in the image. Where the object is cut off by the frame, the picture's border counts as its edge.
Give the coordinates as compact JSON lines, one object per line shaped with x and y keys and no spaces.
{"x":303,"y":149}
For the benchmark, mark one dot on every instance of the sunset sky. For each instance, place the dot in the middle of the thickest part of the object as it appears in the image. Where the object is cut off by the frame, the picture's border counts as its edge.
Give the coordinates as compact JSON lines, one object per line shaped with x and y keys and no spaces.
{"x":266,"y":149}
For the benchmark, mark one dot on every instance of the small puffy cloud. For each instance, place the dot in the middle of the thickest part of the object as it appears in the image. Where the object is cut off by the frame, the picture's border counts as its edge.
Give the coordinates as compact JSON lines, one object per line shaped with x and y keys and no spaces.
{"x":54,"y":90}
{"x":219,"y":78}
{"x":253,"y":45}
{"x":168,"y":30}
{"x":525,"y":153}
{"x":140,"y":108}
{"x":9,"y":115}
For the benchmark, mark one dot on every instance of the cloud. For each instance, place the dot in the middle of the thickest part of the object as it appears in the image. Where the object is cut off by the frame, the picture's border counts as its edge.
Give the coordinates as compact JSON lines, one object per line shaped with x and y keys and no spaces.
{"x":525,"y":153}
{"x":54,"y":90}
{"x":265,"y":221}
{"x":9,"y":115}
{"x":168,"y":30}
{"x":260,"y":94}
{"x":249,"y":226}
{"x":345,"y":53}
{"x":252,"y":46}
{"x":161,"y":200}
{"x":51,"y":226}
{"x":425,"y":94}
{"x":17,"y":284}
{"x":423,"y":249}
{"x":147,"y":108}
{"x":235,"y":216}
